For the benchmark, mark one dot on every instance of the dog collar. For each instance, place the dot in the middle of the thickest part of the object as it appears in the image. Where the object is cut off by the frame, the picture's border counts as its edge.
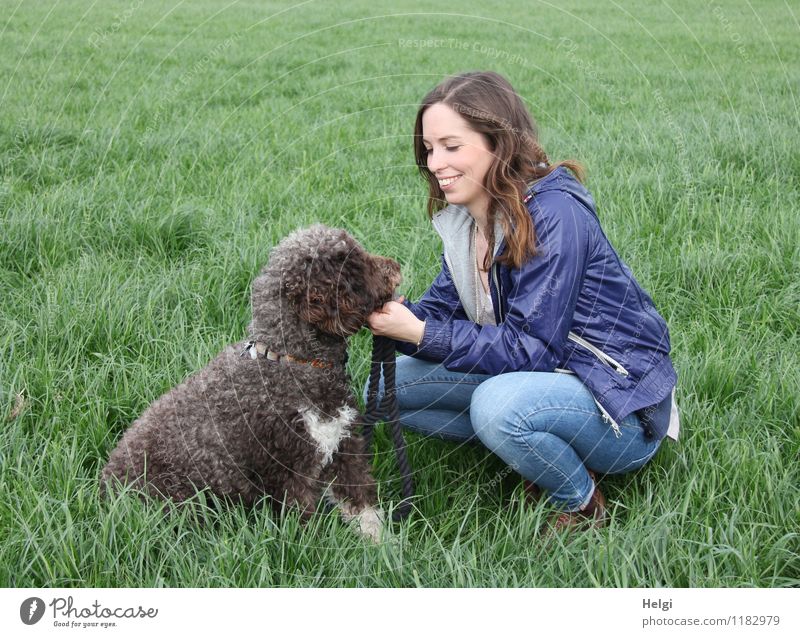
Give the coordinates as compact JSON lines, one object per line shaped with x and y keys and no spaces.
{"x":256,"y":349}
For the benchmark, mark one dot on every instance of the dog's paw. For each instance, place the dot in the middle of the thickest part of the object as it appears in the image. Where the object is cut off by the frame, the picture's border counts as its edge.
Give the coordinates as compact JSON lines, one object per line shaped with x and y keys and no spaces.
{"x":371,"y":523}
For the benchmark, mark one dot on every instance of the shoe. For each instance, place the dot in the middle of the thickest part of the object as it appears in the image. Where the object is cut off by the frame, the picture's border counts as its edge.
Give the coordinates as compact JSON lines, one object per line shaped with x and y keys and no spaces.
{"x":593,"y":515}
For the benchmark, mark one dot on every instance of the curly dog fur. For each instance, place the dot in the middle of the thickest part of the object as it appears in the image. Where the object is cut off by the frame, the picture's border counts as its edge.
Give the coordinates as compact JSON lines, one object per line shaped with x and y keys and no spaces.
{"x":247,"y":426}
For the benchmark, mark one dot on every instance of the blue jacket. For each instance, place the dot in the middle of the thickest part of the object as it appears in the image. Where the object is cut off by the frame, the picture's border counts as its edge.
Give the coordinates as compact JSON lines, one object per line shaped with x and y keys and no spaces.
{"x":575,"y":306}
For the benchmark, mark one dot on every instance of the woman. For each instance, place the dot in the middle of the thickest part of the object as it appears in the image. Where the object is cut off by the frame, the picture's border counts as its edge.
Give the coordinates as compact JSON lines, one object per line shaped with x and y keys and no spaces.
{"x":534,"y":338}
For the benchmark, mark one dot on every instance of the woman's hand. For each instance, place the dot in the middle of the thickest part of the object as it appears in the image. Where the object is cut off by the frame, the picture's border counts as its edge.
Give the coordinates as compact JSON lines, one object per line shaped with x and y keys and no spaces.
{"x":396,"y":321}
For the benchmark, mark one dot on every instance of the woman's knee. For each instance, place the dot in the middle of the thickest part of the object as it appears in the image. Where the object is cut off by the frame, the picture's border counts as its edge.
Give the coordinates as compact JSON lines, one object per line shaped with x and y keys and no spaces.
{"x":488,"y":420}
{"x":505,"y":396}
{"x":479,"y":407}
{"x":523,"y":402}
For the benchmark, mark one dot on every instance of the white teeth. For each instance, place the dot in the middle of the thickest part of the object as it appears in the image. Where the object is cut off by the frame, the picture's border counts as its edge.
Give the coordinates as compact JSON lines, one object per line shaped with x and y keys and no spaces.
{"x":447,"y":182}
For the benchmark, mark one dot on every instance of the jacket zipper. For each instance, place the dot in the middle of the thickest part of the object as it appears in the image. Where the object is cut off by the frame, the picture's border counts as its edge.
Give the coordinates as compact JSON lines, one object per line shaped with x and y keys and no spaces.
{"x":609,"y":361}
{"x":608,"y":419}
{"x":598,"y":352}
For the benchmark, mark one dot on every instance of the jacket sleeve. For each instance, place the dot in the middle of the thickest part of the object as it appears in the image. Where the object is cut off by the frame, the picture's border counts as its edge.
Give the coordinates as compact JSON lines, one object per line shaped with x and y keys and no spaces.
{"x":440,"y":302}
{"x":541,"y":302}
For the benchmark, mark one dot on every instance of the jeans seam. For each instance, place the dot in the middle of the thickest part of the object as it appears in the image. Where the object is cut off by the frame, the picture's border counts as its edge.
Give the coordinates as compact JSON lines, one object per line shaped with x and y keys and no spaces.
{"x":637,"y":461}
{"x":416,"y":383}
{"x":409,"y":386}
{"x":576,"y":410}
{"x":637,"y":428}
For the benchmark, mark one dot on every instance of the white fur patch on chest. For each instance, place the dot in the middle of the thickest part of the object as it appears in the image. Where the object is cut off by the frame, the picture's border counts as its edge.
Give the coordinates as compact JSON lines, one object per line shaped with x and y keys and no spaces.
{"x":327,"y":432}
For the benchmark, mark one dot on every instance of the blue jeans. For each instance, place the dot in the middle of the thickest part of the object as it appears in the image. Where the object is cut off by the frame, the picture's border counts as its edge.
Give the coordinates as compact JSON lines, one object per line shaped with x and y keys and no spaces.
{"x":546,"y":426}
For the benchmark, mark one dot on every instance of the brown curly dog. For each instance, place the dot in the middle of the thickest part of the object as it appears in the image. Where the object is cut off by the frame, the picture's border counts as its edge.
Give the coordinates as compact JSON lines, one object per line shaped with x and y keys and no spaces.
{"x":273,"y":415}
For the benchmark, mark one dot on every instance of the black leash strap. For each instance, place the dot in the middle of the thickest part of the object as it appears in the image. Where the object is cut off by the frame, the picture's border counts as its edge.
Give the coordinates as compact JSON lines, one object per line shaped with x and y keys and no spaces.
{"x":383,"y":356}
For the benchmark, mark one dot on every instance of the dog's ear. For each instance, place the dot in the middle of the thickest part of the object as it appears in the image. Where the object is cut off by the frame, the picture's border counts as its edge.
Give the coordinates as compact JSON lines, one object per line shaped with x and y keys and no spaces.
{"x":312,"y":307}
{"x":327,"y":289}
{"x":310,"y":293}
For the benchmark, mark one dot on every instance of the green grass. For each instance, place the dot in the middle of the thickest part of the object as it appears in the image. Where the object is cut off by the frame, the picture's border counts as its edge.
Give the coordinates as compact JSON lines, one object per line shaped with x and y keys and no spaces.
{"x":151,"y":155}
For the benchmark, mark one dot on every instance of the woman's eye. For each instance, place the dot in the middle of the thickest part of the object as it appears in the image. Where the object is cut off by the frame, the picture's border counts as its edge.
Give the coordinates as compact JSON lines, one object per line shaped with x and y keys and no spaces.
{"x":452,"y":148}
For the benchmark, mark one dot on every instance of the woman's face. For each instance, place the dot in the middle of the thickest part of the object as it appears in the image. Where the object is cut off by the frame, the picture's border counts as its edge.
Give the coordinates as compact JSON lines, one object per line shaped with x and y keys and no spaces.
{"x":458,"y":157}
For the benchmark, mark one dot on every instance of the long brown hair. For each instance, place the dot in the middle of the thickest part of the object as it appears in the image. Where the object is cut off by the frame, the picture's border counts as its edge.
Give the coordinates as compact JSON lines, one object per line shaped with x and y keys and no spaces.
{"x":492,"y":107}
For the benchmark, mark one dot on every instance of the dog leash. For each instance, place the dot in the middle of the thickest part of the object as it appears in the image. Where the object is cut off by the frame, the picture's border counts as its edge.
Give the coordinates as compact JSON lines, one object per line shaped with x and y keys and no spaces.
{"x":383,"y":359}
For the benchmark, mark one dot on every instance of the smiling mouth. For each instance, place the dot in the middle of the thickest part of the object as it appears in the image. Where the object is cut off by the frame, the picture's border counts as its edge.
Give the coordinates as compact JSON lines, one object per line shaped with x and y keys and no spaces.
{"x":449,"y":180}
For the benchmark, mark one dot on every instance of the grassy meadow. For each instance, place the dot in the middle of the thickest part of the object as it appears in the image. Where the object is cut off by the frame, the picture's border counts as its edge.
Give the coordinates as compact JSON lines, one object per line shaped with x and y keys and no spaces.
{"x":151,"y":153}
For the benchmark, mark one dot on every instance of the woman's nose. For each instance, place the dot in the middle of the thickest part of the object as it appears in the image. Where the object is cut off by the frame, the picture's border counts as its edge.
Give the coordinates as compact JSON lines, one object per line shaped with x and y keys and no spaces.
{"x":435,"y":161}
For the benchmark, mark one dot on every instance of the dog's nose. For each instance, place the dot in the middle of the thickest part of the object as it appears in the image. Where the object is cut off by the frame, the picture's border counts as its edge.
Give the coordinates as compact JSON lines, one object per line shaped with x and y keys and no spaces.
{"x":396,"y":276}
{"x":390,"y":269}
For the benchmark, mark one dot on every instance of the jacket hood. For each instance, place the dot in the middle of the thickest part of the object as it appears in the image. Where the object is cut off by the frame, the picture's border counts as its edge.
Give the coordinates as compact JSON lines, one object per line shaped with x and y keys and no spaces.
{"x":562,"y":180}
